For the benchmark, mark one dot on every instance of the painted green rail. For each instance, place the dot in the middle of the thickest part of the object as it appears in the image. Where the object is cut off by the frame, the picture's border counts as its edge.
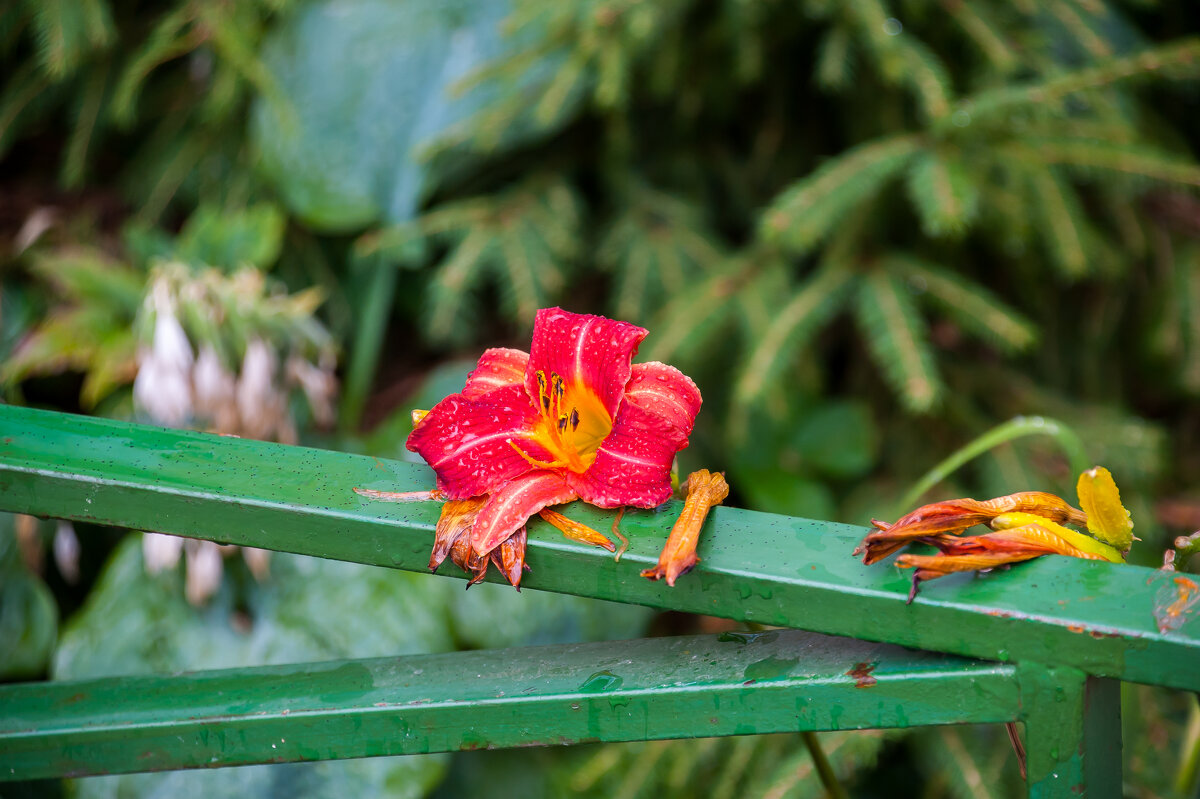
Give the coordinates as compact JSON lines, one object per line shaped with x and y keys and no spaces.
{"x":1098,"y":617}
{"x":1058,"y":628}
{"x":638,"y":690}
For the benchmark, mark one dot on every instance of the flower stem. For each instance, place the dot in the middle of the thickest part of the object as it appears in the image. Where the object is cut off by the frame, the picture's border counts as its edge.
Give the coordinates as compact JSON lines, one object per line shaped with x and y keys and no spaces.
{"x":1015,"y":428}
{"x":833,"y":788}
{"x":1189,"y":761}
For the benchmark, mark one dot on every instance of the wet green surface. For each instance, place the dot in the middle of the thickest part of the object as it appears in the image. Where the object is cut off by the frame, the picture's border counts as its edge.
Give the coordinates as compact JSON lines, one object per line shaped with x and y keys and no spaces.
{"x":1098,"y":617}
{"x":637,"y":690}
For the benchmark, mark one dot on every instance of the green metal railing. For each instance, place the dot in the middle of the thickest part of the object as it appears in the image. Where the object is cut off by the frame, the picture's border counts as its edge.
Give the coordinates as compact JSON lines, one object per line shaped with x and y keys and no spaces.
{"x":1050,"y":631}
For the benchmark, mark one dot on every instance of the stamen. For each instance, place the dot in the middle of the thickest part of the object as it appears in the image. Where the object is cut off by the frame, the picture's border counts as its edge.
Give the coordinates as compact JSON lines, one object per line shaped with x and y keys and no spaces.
{"x":562,"y":424}
{"x":534,"y":461}
{"x":574,"y":419}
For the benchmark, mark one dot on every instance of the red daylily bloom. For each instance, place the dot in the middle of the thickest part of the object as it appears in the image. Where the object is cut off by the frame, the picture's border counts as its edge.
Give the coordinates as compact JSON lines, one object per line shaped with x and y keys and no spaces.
{"x":573,"y":419}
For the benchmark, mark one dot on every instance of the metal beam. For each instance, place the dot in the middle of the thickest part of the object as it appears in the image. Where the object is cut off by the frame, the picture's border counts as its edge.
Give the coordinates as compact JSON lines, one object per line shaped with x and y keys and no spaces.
{"x":1104,"y":619}
{"x":695,"y":686}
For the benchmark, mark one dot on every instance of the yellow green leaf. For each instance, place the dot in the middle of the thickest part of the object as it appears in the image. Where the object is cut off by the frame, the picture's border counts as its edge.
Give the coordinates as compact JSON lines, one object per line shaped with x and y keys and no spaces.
{"x":1107,"y":518}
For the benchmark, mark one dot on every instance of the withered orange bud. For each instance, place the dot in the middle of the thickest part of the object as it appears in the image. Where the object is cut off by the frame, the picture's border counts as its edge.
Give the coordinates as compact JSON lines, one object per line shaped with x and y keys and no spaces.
{"x":705,"y":490}
{"x":971,"y":553}
{"x":452,"y":538}
{"x":954,"y":516}
{"x":454,"y":525}
{"x":509,"y":558}
{"x":930,"y":567}
{"x":463,"y":555}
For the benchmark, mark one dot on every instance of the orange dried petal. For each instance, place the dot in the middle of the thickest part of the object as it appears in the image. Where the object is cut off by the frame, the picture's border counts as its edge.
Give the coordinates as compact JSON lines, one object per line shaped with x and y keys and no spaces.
{"x":955,"y":516}
{"x":705,"y":491}
{"x":454,"y":525}
{"x":576,"y":531}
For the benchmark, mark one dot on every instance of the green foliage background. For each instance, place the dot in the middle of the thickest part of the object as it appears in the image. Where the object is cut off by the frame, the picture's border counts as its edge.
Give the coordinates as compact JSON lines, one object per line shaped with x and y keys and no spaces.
{"x":870,"y":230}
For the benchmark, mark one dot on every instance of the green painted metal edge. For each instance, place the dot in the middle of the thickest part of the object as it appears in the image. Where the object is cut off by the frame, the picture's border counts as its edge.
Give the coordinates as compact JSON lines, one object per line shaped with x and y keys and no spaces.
{"x":693,"y":686}
{"x":1072,"y":732}
{"x":1101,"y":618}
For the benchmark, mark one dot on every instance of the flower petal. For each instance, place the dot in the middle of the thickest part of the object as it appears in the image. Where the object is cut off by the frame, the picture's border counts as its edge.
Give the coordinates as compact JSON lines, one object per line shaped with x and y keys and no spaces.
{"x":1078,"y":541}
{"x":1107,"y":518}
{"x":588,"y":352}
{"x":466,"y":441}
{"x":511,"y":505}
{"x":664,"y":391}
{"x":633,"y":465}
{"x":497,"y":368}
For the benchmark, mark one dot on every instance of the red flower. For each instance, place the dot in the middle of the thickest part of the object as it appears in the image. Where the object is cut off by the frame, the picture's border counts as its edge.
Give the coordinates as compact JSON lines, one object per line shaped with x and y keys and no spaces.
{"x":573,"y":419}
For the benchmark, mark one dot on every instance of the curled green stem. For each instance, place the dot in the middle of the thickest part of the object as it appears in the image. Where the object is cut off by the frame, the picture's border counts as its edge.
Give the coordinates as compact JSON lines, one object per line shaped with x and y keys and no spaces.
{"x":1018,"y":427}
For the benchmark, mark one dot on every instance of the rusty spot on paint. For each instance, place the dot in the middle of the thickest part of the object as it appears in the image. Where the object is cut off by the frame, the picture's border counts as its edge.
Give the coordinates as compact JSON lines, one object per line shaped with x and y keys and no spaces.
{"x":1102,"y":634}
{"x":862,"y":675}
{"x":1076,"y":628}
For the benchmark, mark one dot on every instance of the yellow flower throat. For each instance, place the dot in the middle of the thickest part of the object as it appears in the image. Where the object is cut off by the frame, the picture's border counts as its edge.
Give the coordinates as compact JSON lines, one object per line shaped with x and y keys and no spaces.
{"x":573,"y":424}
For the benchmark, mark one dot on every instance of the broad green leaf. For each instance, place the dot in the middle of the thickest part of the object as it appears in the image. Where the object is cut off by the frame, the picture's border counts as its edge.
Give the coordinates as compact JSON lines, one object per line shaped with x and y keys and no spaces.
{"x":838,"y":439}
{"x":232,"y":239}
{"x":28,"y":613}
{"x":367,"y":86}
{"x":774,"y":491}
{"x":90,"y":277}
{"x":492,"y":616}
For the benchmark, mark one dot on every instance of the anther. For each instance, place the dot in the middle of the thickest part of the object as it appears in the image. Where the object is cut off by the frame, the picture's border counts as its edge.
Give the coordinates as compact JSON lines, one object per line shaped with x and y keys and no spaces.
{"x":574,"y":419}
{"x":562,"y":424}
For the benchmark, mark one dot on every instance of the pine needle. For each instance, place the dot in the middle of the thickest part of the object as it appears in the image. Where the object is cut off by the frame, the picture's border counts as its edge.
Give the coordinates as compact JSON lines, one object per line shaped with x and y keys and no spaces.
{"x":898,"y":340}
{"x":809,"y":209}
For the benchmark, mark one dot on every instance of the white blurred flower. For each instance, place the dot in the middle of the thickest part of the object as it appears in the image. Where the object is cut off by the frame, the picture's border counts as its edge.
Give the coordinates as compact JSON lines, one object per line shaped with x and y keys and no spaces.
{"x":203,"y":570}
{"x":319,"y":387}
{"x":214,"y":391}
{"x":259,"y":562}
{"x":262,"y":406}
{"x":29,"y":542}
{"x":160,"y":552}
{"x":163,"y":384}
{"x":66,"y":552}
